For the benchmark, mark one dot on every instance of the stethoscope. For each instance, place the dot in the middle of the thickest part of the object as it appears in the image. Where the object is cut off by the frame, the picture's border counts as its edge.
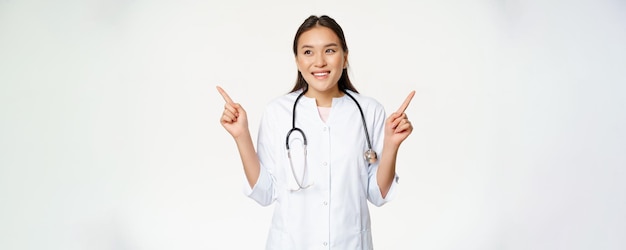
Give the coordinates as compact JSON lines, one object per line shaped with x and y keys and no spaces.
{"x":369,"y":155}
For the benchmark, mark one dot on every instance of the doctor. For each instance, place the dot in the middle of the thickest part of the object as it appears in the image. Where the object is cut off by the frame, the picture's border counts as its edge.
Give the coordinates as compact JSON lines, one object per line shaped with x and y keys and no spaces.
{"x":317,"y":176}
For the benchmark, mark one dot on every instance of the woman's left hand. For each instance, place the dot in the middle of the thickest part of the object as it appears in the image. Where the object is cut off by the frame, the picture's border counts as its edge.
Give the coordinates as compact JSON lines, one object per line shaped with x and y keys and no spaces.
{"x":397,"y":126}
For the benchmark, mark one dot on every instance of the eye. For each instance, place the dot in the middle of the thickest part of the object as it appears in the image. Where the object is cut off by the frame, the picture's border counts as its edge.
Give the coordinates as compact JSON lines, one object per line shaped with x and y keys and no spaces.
{"x":307,"y":52}
{"x":330,"y":51}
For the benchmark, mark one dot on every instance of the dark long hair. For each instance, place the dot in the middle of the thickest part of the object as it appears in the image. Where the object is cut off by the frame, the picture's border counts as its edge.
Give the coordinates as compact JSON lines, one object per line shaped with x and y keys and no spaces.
{"x":324,"y":21}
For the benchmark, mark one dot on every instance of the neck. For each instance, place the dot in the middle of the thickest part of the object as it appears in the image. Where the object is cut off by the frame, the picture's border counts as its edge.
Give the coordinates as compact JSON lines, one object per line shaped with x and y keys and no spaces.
{"x":325,"y":98}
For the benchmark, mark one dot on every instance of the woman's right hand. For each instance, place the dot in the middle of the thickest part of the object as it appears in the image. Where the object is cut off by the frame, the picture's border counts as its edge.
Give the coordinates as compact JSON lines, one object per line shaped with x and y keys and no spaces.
{"x":234,"y":118}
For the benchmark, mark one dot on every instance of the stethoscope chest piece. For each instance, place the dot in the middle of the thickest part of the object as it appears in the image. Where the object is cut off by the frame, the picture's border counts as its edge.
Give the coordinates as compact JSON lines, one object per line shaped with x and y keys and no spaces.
{"x":370,"y":156}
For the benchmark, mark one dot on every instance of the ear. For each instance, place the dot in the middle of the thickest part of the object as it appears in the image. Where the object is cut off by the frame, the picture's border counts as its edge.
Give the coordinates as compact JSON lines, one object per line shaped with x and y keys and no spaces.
{"x":345,"y":60}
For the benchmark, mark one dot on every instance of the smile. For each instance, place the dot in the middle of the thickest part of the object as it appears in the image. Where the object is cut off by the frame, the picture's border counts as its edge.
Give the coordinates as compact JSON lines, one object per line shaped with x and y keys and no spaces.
{"x":321,"y":74}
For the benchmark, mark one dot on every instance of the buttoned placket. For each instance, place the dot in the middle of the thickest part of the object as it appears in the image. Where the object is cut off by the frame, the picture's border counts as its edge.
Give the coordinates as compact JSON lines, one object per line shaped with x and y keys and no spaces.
{"x":325,"y":202}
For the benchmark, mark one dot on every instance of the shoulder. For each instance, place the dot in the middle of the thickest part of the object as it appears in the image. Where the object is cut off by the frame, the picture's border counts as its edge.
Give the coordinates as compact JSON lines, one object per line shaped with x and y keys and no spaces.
{"x":281,"y":103}
{"x":367,"y":102}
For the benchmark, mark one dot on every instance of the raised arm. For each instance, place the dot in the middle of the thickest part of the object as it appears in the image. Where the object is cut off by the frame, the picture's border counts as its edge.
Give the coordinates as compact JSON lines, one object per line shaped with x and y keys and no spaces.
{"x":235,"y":121}
{"x":397,"y":129}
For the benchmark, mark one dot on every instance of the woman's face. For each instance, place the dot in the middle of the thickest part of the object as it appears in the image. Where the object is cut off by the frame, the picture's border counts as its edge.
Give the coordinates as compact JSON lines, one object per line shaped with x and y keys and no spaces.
{"x":321,"y":60}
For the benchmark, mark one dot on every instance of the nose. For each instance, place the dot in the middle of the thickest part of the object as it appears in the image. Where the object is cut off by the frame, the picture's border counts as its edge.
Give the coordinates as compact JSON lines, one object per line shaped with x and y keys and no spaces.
{"x":320,"y":61}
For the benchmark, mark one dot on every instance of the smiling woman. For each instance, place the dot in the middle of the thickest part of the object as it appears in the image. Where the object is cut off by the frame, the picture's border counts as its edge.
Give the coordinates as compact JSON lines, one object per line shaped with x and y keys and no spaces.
{"x":324,"y":205}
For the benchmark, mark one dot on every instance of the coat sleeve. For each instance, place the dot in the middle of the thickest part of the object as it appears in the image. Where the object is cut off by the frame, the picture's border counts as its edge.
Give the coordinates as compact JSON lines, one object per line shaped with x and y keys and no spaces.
{"x":263,"y":191}
{"x":378,"y":136}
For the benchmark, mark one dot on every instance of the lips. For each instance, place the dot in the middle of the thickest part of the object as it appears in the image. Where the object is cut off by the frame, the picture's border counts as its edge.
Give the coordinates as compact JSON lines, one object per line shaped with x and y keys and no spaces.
{"x":321,"y":74}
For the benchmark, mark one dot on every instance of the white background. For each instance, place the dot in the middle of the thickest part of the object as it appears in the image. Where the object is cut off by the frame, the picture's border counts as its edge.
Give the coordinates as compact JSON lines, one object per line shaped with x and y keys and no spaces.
{"x":110,"y":139}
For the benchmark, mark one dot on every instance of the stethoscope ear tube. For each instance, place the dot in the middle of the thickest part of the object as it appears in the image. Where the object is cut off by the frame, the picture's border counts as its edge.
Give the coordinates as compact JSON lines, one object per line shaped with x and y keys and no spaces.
{"x":300,"y":183}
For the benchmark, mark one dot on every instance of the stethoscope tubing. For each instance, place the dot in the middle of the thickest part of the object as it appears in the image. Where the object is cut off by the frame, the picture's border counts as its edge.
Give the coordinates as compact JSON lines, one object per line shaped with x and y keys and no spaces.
{"x":370,"y":154}
{"x":293,"y":120}
{"x":367,"y":134}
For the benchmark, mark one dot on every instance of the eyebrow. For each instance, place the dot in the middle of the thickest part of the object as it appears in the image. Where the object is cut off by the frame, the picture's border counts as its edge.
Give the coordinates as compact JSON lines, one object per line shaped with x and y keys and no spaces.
{"x":325,"y":46}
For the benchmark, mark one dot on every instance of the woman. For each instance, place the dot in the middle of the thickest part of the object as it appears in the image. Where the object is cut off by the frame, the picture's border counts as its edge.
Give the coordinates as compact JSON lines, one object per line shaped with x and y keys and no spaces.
{"x":319,"y":177}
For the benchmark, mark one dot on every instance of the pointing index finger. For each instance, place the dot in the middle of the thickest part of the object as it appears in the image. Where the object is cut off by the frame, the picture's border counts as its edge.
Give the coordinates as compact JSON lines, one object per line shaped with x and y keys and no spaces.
{"x":406,"y":102}
{"x":224,"y":95}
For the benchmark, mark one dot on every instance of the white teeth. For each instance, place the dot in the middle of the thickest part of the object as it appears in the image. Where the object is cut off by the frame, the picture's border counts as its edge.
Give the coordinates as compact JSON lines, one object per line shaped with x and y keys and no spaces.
{"x":320,"y":74}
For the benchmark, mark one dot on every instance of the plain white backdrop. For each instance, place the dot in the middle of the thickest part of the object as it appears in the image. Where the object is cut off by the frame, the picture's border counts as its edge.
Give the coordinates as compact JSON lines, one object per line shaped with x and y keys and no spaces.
{"x":110,"y":134}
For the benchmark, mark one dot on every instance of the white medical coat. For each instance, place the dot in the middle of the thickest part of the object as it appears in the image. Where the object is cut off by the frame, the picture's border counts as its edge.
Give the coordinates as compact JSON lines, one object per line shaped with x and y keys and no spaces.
{"x":333,"y":212}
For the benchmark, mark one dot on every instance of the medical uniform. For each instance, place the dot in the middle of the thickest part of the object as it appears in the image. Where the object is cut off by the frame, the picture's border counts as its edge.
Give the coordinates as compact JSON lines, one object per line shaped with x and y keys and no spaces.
{"x":333,"y":212}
